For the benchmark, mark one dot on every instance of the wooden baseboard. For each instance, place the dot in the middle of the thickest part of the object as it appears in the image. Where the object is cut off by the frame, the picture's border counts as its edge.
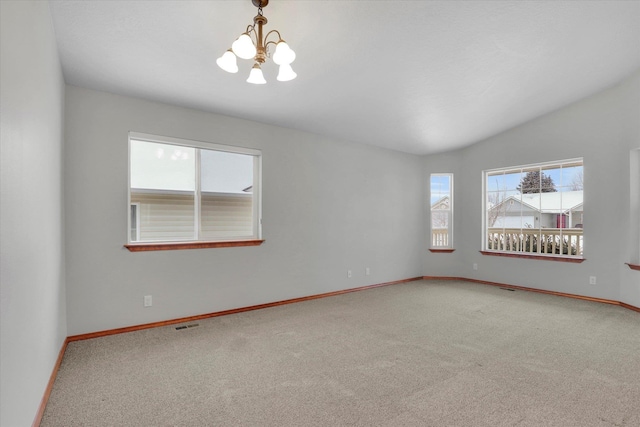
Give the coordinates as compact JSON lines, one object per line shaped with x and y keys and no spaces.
{"x":630,"y":307}
{"x":227,"y":312}
{"x":541,"y":291}
{"x":47,"y":392}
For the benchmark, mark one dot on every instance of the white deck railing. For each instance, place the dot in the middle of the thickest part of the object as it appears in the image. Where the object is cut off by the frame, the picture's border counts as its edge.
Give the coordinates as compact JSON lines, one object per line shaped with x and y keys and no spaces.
{"x":440,"y":238}
{"x":559,"y":241}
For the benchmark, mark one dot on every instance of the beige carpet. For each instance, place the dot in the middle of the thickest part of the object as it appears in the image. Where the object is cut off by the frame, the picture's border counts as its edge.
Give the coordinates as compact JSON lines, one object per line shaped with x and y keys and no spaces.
{"x":425,"y":353}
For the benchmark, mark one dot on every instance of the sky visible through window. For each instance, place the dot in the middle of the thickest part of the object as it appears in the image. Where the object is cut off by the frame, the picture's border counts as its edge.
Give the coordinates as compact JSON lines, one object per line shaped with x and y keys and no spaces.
{"x":440,"y":187}
{"x":565,"y":178}
{"x":159,"y":166}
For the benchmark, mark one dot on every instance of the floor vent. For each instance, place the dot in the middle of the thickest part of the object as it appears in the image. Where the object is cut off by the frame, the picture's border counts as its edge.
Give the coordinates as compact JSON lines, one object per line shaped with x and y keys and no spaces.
{"x":193,"y":325}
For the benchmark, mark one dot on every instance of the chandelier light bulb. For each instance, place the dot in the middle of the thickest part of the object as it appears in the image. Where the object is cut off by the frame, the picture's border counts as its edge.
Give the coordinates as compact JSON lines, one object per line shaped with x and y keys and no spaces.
{"x":228,"y":62}
{"x":244,"y":47}
{"x":283,"y":54}
{"x":286,"y":73}
{"x":255,"y":76}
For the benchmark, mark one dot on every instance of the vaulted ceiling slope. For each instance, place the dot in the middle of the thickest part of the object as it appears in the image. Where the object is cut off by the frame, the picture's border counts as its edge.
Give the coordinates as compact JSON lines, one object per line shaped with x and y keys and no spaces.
{"x":414,"y":76}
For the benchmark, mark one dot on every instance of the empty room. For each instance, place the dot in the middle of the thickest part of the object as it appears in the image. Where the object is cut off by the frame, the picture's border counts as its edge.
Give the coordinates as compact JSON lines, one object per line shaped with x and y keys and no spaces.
{"x":320,"y":213}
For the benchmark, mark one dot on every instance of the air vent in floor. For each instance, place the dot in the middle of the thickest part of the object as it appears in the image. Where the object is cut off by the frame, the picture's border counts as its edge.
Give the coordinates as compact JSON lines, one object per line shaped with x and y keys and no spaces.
{"x":193,"y":325}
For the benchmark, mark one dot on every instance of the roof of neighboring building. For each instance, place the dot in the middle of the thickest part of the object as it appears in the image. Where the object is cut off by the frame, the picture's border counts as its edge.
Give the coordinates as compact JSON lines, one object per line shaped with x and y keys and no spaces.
{"x":441,"y":203}
{"x":556,"y":202}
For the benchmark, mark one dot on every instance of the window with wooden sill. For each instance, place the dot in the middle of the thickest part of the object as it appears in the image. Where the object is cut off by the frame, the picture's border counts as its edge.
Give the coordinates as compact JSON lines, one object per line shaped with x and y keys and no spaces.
{"x":441,"y":212}
{"x":188,"y":194}
{"x":535,"y":211}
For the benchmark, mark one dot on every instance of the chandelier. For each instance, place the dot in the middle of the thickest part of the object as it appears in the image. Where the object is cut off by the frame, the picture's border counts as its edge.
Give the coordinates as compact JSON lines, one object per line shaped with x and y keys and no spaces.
{"x":251,"y":45}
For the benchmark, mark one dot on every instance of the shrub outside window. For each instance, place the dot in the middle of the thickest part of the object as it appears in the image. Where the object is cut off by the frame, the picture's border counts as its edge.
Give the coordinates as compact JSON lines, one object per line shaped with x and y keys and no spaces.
{"x":535,"y":209}
{"x":188,"y":191}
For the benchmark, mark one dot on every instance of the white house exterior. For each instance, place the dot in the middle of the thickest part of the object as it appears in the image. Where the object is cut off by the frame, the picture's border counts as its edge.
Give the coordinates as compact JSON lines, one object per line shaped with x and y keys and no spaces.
{"x":562,"y":209}
{"x":169,"y":215}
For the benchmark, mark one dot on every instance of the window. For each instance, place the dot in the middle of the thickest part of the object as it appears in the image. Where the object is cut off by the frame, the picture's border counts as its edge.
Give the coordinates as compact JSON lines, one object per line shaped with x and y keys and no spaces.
{"x":441,"y":201}
{"x":535,"y":209}
{"x":187,"y":191}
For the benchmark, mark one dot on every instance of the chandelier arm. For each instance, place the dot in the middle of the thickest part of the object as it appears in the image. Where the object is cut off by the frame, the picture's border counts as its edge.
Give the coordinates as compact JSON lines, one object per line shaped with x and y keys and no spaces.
{"x":251,"y":29}
{"x":266,"y":47}
{"x":267,"y":43}
{"x":269,"y":33}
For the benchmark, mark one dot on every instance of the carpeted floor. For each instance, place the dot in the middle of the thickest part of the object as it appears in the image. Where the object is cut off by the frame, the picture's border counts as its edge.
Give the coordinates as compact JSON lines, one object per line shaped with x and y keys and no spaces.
{"x":425,"y":353}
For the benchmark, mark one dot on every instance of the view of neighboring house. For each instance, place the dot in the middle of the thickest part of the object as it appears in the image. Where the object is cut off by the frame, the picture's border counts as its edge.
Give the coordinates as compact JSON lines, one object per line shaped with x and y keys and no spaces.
{"x":169,"y":215}
{"x":538,"y":210}
{"x":440,"y":219}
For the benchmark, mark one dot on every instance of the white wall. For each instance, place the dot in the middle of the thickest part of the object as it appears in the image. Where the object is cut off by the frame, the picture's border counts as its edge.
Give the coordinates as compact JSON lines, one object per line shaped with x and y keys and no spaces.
{"x":603,"y":129}
{"x":32,"y":298}
{"x":328,"y":206}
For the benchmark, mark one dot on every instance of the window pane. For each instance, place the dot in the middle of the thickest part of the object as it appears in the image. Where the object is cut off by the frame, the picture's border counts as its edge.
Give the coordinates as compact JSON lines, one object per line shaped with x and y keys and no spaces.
{"x":134,"y":223}
{"x":498,"y":203}
{"x":495,"y":182}
{"x":550,"y":179}
{"x":226,"y":172}
{"x":163,"y":185}
{"x":441,"y":202}
{"x":440,"y":191}
{"x":572,"y":178}
{"x":529,"y":181}
{"x":511,"y":181}
{"x":227,"y":200}
{"x":162,"y":166}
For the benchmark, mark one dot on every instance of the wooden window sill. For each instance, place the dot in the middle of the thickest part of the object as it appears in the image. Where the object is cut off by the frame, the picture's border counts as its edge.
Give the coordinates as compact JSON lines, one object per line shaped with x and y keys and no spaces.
{"x":441,"y":251}
{"x":538,"y":257}
{"x":143,"y":247}
{"x":633,"y":266}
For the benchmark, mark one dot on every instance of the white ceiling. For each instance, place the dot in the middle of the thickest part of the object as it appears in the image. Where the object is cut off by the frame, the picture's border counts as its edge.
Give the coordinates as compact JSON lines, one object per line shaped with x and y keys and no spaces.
{"x":414,"y":76}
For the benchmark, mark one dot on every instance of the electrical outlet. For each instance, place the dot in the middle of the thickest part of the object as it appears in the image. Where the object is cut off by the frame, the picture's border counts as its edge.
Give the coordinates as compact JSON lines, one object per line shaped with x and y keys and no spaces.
{"x":475,"y":266}
{"x":349,"y":274}
{"x":367,"y":271}
{"x":148,"y":301}
{"x":592,"y":280}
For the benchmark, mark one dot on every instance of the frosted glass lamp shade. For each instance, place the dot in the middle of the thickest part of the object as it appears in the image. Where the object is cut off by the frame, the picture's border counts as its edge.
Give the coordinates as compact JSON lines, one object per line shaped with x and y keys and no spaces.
{"x":243,"y":47}
{"x":256,"y":76}
{"x":228,"y":62}
{"x":283,"y":54}
{"x":286,"y":73}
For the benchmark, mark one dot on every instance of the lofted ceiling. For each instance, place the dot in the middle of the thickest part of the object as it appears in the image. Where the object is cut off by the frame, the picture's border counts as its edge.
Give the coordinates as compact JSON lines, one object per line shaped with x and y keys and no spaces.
{"x":413,"y":76}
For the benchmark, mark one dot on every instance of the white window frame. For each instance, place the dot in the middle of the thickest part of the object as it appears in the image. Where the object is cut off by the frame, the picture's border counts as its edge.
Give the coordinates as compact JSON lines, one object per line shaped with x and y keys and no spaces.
{"x":449,"y":240}
{"x":137,"y":206}
{"x":257,"y":185}
{"x":542,"y":165}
